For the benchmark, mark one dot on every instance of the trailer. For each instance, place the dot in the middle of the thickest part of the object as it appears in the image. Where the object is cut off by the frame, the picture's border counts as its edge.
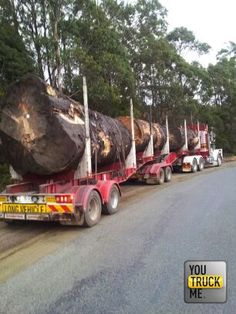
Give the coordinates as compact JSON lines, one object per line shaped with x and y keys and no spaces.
{"x":80,"y":197}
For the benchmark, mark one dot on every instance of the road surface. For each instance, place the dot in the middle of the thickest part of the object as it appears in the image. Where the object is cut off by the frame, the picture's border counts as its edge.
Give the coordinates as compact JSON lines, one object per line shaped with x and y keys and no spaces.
{"x":131,"y":262}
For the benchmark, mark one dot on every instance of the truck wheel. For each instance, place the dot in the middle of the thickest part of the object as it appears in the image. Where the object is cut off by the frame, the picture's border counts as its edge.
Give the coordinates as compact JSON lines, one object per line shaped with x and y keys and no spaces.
{"x":161,"y":178}
{"x":93,"y":210}
{"x":194,"y":165}
{"x":112,"y":206}
{"x":201,"y":165}
{"x":219,"y":161}
{"x":158,"y":179}
{"x":168,"y":174}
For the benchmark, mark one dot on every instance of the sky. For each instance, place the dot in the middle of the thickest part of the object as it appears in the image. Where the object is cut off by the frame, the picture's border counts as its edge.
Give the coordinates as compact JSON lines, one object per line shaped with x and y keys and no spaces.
{"x":211,"y":21}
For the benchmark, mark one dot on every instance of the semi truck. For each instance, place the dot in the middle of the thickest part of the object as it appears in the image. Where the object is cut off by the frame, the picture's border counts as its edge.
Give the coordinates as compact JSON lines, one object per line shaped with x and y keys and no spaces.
{"x":79,"y":197}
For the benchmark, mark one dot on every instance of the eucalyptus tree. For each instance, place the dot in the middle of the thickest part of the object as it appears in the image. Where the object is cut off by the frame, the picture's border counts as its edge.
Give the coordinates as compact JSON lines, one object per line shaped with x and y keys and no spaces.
{"x":223,"y":78}
{"x":184,"y":39}
{"x":38,"y":22}
{"x":15,"y":59}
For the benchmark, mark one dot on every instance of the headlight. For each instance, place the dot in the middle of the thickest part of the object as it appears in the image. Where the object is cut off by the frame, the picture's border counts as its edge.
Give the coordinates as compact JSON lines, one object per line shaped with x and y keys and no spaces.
{"x":35,"y":199}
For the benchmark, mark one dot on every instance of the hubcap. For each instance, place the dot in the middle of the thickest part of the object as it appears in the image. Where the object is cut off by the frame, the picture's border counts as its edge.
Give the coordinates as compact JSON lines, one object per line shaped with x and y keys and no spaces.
{"x":93,"y":209}
{"x":114,"y":199}
{"x":168,"y":174}
{"x":162,"y":176}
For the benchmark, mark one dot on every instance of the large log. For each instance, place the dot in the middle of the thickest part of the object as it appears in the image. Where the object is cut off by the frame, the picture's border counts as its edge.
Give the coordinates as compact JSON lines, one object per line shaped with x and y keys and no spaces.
{"x":43,"y":131}
{"x":193,"y":139}
{"x":177,"y":138}
{"x":142,"y":133}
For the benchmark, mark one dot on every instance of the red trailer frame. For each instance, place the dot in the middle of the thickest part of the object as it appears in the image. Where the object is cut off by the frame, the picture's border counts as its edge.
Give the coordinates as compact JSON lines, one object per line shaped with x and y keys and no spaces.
{"x":65,"y":199}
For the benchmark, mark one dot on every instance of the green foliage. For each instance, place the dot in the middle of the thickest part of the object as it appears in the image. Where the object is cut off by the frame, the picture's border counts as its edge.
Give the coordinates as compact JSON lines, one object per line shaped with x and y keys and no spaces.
{"x":5,"y":177}
{"x":222,"y":98}
{"x":184,"y":39}
{"x":230,"y":51}
{"x":14,"y":58}
{"x":100,"y":55}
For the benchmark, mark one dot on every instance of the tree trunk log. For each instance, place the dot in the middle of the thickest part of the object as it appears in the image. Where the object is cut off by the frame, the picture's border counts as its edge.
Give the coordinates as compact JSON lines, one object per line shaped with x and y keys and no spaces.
{"x":142,"y":133}
{"x":43,"y":131}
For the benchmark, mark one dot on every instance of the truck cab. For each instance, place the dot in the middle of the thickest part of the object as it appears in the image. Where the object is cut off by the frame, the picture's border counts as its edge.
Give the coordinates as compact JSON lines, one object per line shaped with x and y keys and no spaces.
{"x":205,"y":153}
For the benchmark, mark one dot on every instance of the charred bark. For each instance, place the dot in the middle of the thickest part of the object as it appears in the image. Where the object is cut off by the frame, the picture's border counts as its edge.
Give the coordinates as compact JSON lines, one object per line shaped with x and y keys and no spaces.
{"x":176,"y":136}
{"x":192,"y":139}
{"x":142,"y":133}
{"x":43,"y":131}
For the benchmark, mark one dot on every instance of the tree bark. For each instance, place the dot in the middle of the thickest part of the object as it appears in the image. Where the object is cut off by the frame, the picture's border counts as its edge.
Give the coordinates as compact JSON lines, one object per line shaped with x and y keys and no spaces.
{"x":142,"y":133}
{"x":43,"y":131}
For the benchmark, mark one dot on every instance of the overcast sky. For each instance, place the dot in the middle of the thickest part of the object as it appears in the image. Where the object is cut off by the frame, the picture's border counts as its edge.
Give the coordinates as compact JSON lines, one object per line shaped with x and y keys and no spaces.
{"x":212,"y":21}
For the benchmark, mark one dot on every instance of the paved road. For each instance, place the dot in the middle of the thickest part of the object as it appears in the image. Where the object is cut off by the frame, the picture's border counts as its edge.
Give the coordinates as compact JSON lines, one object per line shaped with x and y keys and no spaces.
{"x":133,"y":262}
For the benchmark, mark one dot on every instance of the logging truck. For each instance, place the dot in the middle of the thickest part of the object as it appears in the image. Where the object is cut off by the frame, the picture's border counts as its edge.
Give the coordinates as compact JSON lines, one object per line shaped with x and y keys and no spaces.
{"x":79,"y":196}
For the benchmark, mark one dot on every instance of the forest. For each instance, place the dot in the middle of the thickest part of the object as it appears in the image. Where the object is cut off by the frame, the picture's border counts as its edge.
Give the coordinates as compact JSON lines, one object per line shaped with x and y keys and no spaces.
{"x":125,"y":51}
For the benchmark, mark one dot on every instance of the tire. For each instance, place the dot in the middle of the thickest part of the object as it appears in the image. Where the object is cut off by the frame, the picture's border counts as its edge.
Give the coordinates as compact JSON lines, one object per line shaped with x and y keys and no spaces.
{"x":161,"y":177}
{"x":219,"y":161}
{"x":93,"y":210}
{"x":194,"y":165}
{"x":158,"y":179}
{"x":201,"y":165}
{"x":168,"y":174}
{"x":112,"y":206}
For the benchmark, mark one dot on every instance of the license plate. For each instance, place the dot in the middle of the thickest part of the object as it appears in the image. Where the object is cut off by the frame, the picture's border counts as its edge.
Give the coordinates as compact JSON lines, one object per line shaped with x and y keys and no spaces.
{"x":15,"y":216}
{"x":24,"y":208}
{"x":37,"y":217}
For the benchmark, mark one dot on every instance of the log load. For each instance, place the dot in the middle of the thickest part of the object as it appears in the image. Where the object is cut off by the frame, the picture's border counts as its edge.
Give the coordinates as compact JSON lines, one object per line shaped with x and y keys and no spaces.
{"x":43,"y":131}
{"x":176,"y":136}
{"x":193,"y":139}
{"x":142,"y":133}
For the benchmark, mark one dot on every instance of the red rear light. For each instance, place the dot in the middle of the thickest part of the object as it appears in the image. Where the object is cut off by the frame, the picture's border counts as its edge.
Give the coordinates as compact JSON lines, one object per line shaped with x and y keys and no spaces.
{"x":64,"y":198}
